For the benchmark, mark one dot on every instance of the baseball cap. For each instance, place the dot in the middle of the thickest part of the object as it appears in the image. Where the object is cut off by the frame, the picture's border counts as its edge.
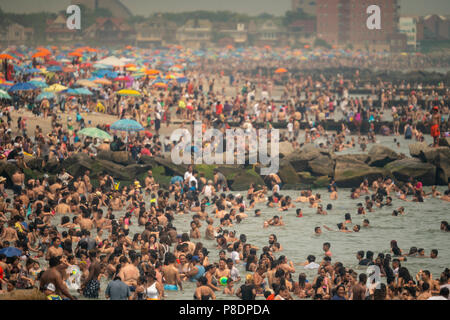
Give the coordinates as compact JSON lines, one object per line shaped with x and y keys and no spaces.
{"x":50,"y":287}
{"x":195,"y":258}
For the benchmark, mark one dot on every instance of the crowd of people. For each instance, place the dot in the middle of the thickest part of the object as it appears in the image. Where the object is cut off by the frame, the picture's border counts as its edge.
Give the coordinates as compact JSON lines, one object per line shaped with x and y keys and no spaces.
{"x":65,"y":235}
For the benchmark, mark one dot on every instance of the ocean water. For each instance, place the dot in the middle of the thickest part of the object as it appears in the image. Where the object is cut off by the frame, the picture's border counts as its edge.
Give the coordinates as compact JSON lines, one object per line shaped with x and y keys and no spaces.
{"x":419,"y":227}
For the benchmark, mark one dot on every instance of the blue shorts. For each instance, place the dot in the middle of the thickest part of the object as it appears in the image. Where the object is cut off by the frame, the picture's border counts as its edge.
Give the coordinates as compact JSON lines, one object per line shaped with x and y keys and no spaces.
{"x":170,"y":287}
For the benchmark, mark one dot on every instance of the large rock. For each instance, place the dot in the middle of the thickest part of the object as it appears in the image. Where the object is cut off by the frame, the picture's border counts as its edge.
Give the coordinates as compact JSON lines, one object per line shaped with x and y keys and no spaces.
{"x":349,"y":172}
{"x":405,"y":169}
{"x":379,"y":156}
{"x":444,"y":142}
{"x":416,"y":148}
{"x":135,"y":170}
{"x":285,"y":148}
{"x":77,"y":164}
{"x":321,"y":166}
{"x":288,"y":176}
{"x":242,"y":180}
{"x":115,"y":170}
{"x":119,"y":157}
{"x":299,"y":160}
{"x":440,"y":157}
{"x":306,"y":179}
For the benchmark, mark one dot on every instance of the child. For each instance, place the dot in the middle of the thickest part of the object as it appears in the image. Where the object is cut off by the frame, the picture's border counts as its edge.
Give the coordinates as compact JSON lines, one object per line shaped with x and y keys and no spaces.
{"x":229,"y":290}
{"x":50,"y":292}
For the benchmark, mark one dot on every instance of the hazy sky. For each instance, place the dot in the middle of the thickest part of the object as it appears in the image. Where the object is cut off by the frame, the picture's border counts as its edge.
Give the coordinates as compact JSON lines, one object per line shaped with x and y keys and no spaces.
{"x":278,"y":7}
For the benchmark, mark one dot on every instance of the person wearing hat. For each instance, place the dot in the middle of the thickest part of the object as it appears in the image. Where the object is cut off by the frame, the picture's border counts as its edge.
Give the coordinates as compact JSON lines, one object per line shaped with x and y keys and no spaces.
{"x":50,"y":292}
{"x":435,"y":125}
{"x":196,"y":269}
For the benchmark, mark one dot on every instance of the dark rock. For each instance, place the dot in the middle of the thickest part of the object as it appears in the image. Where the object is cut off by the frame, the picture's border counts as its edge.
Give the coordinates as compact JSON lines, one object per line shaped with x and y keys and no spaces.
{"x":52,"y":166}
{"x":288,"y":176}
{"x":321,"y":166}
{"x":405,"y":169}
{"x":379,"y":156}
{"x":321,"y":182}
{"x":115,"y":170}
{"x":243,"y":180}
{"x":416,"y":148}
{"x":135,"y":170}
{"x":350,"y":172}
{"x":444,"y":142}
{"x":119,"y":157}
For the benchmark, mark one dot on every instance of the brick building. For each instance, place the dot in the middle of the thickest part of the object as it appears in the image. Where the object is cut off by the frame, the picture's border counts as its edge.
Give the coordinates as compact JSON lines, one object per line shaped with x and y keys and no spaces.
{"x":344,"y":22}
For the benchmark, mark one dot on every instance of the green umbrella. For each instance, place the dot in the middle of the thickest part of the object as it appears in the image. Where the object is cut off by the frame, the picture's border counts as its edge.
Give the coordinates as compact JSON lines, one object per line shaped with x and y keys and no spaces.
{"x":95,"y":133}
{"x":4,"y":95}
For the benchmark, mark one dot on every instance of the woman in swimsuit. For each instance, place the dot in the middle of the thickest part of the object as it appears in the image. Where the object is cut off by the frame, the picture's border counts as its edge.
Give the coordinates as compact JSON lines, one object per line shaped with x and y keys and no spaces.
{"x":154,"y":290}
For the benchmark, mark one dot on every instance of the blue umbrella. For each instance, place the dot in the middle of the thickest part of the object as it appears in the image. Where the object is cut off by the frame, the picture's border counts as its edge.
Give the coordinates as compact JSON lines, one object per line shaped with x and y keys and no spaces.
{"x":23,"y":86}
{"x":54,"y":69}
{"x":11,"y":252}
{"x":39,"y":84}
{"x":84,"y":92}
{"x":127,"y":125}
{"x":32,"y":70}
{"x":45,"y":95}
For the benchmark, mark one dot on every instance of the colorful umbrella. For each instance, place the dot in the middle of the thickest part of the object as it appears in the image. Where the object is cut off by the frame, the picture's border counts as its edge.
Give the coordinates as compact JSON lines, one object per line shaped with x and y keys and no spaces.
{"x":24,"y":86}
{"x":281,"y":70}
{"x":11,"y":252}
{"x":4,"y":95}
{"x":95,"y":133}
{"x":45,"y":95}
{"x":39,"y":84}
{"x":55,"y":88}
{"x":128,"y":92}
{"x":127,"y":125}
{"x":4,"y":56}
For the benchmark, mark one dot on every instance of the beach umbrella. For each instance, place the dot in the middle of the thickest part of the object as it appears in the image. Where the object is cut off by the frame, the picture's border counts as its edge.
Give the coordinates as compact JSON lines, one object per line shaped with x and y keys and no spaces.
{"x":152,"y":72}
{"x":39,"y":84}
{"x":40,"y":54}
{"x":128,"y":93}
{"x":281,"y":70}
{"x":176,"y":179}
{"x":55,"y":88}
{"x":84,"y":92}
{"x":31,"y":70}
{"x":86,"y":83}
{"x":95,"y":133}
{"x":127,"y":125}
{"x":75,"y":54}
{"x":103,"y":81}
{"x":54,"y":69}
{"x":112,"y":61}
{"x":11,"y":252}
{"x":6,"y":56}
{"x":4,"y":95}
{"x":45,"y":95}
{"x":23,"y":86}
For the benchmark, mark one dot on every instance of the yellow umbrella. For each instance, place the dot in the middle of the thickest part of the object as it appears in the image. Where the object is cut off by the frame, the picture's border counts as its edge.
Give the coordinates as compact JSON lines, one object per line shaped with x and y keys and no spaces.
{"x":55,"y":88}
{"x":128,"y":92}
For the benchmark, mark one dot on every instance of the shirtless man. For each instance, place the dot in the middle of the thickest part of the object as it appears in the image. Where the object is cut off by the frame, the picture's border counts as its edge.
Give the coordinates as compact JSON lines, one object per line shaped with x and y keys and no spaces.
{"x":55,"y":250}
{"x":9,"y":233}
{"x":55,"y":275}
{"x":80,"y":186}
{"x":87,"y":180}
{"x":57,"y":185}
{"x":150,"y":183}
{"x":18,"y":179}
{"x":62,"y":207}
{"x":171,"y":274}
{"x":333,"y":194}
{"x":209,"y":232}
{"x":129,"y":273}
{"x":435,"y":125}
{"x":276,"y":221}
{"x":85,"y":222}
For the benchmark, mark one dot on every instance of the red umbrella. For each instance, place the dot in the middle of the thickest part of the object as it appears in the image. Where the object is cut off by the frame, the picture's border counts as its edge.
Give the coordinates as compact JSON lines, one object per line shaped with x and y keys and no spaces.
{"x":148,"y":134}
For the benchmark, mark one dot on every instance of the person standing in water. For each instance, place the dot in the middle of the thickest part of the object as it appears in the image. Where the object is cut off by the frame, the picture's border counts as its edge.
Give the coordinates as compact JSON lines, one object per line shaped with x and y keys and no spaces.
{"x":435,"y":125}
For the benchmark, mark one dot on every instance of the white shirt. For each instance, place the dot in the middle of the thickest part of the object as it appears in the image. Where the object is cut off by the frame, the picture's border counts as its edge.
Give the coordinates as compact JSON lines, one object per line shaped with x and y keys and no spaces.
{"x":192,"y":178}
{"x":235,"y":256}
{"x":437,"y":298}
{"x":312,"y":265}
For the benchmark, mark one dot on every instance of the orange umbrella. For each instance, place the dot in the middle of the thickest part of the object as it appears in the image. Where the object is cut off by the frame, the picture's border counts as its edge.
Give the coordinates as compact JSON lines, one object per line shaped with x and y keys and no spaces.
{"x":6,"y":56}
{"x":103,"y":81}
{"x":151,"y":71}
{"x":281,"y":70}
{"x":40,"y":54}
{"x":160,"y":85}
{"x":75,"y":54}
{"x":130,"y":65}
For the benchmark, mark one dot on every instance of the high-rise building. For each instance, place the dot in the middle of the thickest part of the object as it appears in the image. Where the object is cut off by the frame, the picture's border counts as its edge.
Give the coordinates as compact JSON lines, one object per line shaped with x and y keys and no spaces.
{"x":341,"y":22}
{"x":117,"y":8}
{"x":308,"y":6}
